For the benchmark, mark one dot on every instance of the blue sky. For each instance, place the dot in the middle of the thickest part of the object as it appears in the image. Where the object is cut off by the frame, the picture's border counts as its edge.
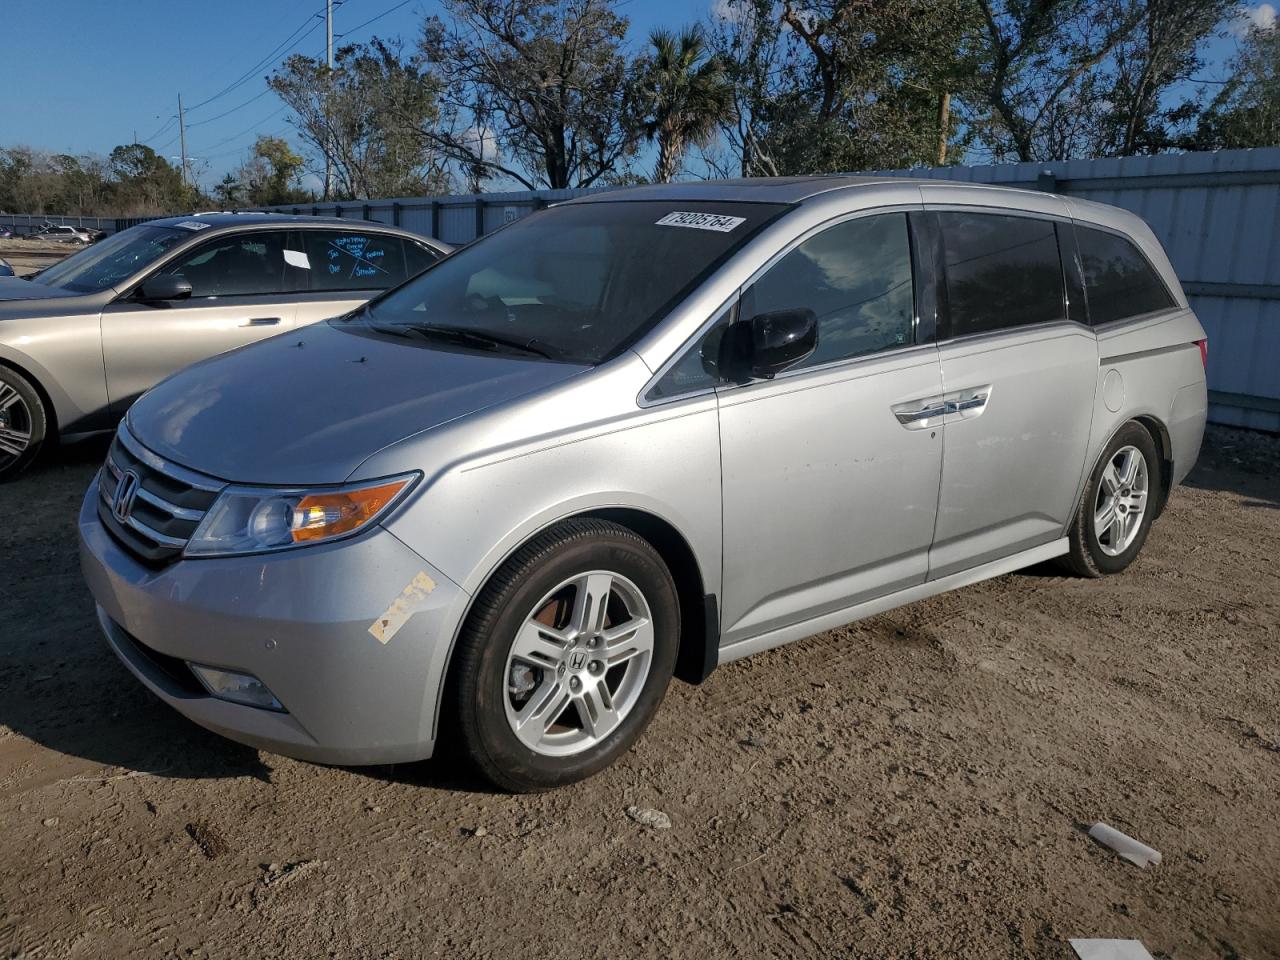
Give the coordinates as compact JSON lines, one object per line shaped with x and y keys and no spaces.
{"x":117,"y":68}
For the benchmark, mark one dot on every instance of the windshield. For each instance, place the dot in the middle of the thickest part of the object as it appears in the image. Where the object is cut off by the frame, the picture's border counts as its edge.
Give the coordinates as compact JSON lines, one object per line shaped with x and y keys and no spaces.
{"x":113,"y":260}
{"x":576,"y":283}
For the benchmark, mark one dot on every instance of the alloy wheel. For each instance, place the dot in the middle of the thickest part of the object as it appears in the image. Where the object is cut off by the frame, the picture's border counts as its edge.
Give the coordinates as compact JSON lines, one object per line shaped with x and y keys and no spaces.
{"x":15,"y":425}
{"x":1122,"y":501}
{"x":578,"y":663}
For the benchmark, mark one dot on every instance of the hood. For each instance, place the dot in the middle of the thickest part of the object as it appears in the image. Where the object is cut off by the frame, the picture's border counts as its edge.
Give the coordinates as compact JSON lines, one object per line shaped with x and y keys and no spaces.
{"x":15,"y":288}
{"x":309,"y":407}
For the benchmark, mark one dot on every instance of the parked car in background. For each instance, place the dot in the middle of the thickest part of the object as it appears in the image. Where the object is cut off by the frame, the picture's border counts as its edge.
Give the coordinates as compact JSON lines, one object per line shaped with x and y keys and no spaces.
{"x":58,"y":233}
{"x":6,"y":233}
{"x":83,"y":338}
{"x":634,"y":435}
{"x":6,"y":270}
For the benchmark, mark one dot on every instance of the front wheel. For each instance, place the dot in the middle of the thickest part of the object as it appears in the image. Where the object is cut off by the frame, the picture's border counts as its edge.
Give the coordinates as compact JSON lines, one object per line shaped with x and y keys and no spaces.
{"x":565,"y":657}
{"x":22,"y":423}
{"x":1118,"y":505}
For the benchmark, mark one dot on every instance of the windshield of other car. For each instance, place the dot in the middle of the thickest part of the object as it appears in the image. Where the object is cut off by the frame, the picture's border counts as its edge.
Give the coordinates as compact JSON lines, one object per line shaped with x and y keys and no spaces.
{"x":578,"y":282}
{"x":113,"y":260}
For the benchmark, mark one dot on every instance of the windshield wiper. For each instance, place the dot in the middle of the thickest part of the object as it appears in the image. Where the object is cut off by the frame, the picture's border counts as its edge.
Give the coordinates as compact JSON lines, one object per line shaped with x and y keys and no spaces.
{"x":472,"y":338}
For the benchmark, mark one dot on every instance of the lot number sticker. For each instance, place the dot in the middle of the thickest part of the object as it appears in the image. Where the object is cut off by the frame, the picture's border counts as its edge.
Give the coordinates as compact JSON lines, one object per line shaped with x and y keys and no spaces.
{"x":193,"y":225}
{"x":701,"y":221}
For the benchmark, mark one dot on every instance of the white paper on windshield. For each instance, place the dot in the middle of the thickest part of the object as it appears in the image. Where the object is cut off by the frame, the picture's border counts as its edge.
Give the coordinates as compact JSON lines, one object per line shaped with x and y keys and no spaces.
{"x":296,"y":258}
{"x":701,"y":221}
{"x":193,"y":225}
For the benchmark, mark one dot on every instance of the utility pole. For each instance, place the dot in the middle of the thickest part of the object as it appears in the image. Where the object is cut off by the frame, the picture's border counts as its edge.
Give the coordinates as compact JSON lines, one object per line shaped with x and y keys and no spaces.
{"x":328,"y":59}
{"x":182,"y":136}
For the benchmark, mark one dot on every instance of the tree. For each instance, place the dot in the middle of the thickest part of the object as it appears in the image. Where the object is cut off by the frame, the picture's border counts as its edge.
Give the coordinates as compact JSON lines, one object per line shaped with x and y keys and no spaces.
{"x":841,"y":84}
{"x":268,"y":177}
{"x":1070,"y":78}
{"x":1163,"y":51}
{"x":535,"y":90}
{"x":368,"y":116}
{"x":147,"y":183}
{"x":685,"y":96}
{"x":1246,"y":113}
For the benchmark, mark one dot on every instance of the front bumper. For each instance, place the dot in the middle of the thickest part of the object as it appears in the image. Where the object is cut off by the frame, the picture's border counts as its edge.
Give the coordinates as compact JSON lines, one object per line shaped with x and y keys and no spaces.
{"x":300,"y":622}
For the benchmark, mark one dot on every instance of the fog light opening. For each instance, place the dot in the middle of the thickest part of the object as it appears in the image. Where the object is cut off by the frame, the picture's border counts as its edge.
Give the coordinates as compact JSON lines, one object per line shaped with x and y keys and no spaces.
{"x":241,"y":688}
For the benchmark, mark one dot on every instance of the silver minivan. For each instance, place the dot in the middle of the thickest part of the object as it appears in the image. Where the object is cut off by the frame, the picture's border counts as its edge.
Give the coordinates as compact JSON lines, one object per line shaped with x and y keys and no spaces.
{"x":80,"y":340}
{"x":633,"y":436}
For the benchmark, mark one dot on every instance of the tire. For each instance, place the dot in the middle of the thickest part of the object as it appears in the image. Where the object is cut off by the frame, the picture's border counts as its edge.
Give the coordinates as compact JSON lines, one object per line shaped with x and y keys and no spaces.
{"x":534,"y":702}
{"x":1096,"y":553}
{"x":23,"y":423}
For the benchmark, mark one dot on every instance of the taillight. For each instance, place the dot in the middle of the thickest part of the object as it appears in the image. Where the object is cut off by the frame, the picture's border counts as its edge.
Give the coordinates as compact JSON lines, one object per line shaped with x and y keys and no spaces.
{"x":1204,"y":352}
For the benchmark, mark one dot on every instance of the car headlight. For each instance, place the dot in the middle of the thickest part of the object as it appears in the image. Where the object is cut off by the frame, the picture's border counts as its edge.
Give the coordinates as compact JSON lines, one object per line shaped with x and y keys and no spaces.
{"x":259,"y":519}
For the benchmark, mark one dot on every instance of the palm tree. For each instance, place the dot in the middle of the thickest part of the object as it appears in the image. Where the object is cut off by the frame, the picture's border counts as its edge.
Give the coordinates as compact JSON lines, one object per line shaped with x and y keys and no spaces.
{"x":686,"y":95}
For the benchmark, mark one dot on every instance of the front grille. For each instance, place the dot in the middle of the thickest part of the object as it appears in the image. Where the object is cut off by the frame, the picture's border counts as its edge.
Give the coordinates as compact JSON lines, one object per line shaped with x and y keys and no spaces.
{"x":169,"y":503}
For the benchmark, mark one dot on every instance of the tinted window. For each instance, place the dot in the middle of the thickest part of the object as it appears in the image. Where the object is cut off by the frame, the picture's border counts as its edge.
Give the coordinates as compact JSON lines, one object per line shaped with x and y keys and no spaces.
{"x":113,"y":260}
{"x":1001,"y":271}
{"x":238,"y":265}
{"x":579,"y":281}
{"x":342,"y":260}
{"x":856,"y":277}
{"x":417,"y":258}
{"x":1119,"y":281}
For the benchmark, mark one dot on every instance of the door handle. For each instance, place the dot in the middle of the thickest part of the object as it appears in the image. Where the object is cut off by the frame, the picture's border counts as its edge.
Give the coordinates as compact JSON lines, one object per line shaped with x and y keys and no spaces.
{"x":914,"y":416}
{"x":261,"y":322}
{"x":976,"y":402}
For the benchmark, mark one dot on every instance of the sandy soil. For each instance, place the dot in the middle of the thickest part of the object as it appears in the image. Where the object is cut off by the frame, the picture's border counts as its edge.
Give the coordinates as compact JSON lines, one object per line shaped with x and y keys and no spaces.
{"x":917,"y":785}
{"x":26,"y":256}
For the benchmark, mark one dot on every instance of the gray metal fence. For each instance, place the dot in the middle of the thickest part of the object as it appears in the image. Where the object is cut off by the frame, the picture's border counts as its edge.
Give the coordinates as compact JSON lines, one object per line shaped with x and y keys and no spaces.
{"x":1217,"y":214}
{"x":23,"y":224}
{"x":453,"y":219}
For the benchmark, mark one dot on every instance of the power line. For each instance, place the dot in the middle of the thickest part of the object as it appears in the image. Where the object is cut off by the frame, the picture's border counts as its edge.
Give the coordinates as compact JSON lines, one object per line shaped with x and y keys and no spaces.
{"x":163,"y":127}
{"x":227,"y":113}
{"x":300,"y":33}
{"x":236,"y":136}
{"x":168,"y":143}
{"x":405,"y":3}
{"x":297,"y":36}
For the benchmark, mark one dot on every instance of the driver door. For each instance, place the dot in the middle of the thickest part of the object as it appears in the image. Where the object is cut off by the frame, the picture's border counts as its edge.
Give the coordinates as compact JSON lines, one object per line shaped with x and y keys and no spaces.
{"x":242,"y":290}
{"x":830,"y":491}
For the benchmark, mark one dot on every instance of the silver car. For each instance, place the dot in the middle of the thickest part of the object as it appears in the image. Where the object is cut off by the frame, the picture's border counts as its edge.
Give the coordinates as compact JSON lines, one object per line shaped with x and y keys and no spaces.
{"x":61,"y":233}
{"x":83,"y":338}
{"x":634,"y":436}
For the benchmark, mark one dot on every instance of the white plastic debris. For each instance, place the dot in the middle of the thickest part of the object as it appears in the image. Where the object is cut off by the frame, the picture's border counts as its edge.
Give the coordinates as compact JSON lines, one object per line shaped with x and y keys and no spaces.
{"x":1128,"y":848}
{"x":1110,"y":950}
{"x":649,"y":817}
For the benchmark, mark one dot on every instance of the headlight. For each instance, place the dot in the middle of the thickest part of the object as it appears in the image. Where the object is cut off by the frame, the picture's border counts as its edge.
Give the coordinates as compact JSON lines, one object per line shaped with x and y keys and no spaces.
{"x":254,"y":520}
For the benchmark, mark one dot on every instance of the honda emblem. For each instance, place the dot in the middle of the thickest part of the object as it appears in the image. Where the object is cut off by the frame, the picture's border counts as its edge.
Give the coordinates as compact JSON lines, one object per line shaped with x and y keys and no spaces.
{"x":126,"y":490}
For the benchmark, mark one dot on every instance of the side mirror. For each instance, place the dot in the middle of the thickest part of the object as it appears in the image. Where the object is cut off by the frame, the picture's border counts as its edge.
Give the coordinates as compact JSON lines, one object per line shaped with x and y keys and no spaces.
{"x":167,"y":286}
{"x":767,"y":344}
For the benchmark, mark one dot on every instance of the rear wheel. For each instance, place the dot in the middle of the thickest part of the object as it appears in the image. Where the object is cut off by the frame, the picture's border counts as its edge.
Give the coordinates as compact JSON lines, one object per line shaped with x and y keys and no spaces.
{"x":22,"y":423}
{"x":566,"y":656}
{"x":1118,"y":506}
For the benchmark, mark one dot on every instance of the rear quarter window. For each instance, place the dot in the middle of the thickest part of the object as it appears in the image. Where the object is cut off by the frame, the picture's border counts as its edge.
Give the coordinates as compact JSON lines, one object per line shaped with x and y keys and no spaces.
{"x":1119,"y":281}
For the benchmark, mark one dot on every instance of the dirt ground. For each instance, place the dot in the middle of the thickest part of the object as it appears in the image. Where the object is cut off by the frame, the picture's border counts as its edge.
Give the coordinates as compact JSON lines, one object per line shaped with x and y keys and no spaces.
{"x":26,"y":256}
{"x":917,"y":785}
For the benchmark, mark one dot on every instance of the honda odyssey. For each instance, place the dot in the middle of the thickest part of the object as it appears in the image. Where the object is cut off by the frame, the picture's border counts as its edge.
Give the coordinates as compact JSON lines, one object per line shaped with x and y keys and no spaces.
{"x":632,"y":437}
